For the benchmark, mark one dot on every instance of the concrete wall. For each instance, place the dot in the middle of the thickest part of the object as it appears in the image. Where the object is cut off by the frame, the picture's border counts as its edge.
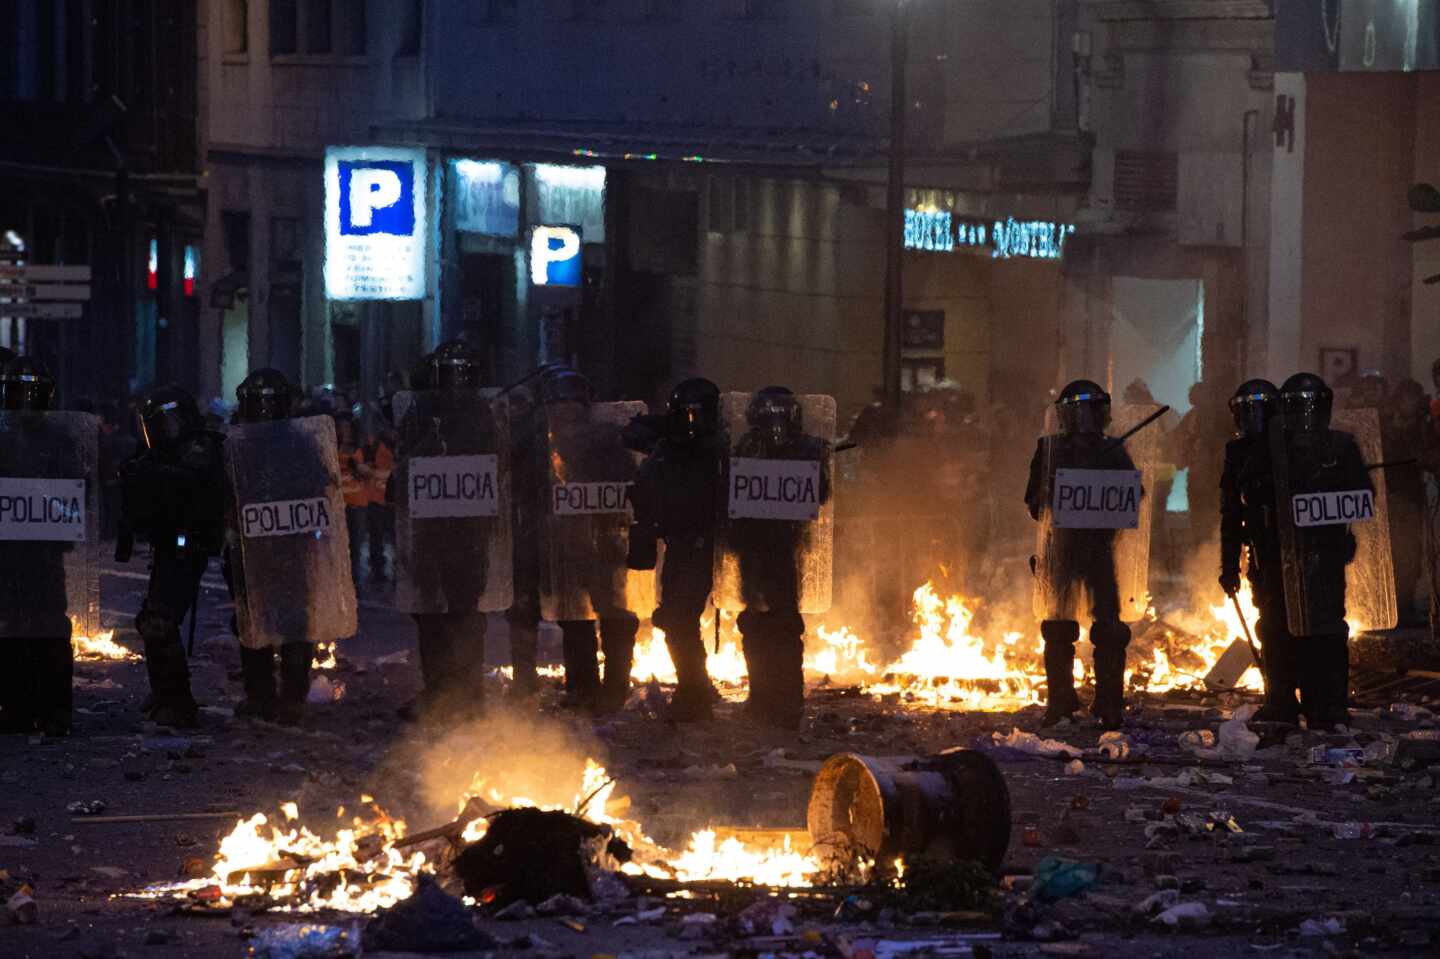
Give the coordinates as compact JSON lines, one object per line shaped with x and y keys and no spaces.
{"x":1425,"y":257}
{"x":796,"y":297}
{"x":1359,"y":159}
{"x":802,"y":69}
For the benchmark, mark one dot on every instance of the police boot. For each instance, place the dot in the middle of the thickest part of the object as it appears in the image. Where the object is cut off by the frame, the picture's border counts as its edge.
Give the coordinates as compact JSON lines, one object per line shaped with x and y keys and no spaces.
{"x":464,"y":658}
{"x":1280,"y":680}
{"x":582,"y":665}
{"x":295,"y":659}
{"x":759,"y":670}
{"x":617,"y":638}
{"x":57,"y":659}
{"x":1060,"y":698}
{"x":1330,"y":680}
{"x":787,"y":709}
{"x":694,"y":699}
{"x":257,"y":672}
{"x":524,"y":651}
{"x":171,"y":703}
{"x":1110,"y":641}
{"x":428,"y":641}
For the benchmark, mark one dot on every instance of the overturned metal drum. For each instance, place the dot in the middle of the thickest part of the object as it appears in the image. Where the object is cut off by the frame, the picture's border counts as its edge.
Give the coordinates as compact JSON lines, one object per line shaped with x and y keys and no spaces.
{"x":952,"y":806}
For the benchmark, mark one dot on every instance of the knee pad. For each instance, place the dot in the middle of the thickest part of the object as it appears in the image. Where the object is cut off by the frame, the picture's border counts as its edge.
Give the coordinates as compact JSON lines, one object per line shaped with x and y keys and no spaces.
{"x":1062,"y":631}
{"x":1110,"y":635}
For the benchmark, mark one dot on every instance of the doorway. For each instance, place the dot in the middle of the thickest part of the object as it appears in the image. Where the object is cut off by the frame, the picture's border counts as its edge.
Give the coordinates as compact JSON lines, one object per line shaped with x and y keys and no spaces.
{"x":1156,"y":333}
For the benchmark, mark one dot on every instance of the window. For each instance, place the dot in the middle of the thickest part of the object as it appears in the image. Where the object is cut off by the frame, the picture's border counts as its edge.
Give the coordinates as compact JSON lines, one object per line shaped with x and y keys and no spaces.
{"x":352,"y":29}
{"x":498,"y":11}
{"x":318,"y":24}
{"x":236,"y":28}
{"x":284,"y":27}
{"x":412,"y":26}
{"x":1146,"y":182}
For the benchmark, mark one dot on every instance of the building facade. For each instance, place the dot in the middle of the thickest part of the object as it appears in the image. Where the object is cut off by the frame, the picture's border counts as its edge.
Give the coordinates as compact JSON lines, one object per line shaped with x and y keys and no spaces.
{"x":99,"y":168}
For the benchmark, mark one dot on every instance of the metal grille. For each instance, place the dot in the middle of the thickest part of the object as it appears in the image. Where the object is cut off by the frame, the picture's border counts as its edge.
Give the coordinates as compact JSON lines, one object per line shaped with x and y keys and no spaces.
{"x":1146,"y":182}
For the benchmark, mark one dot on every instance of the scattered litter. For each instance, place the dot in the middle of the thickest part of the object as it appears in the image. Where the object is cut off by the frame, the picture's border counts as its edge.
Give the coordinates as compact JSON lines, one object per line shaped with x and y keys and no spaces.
{"x":325,"y":690}
{"x":1074,"y":767}
{"x":20,"y":910}
{"x":92,"y":808}
{"x":1057,"y":878}
{"x":767,"y":917}
{"x":776,"y":759}
{"x":697,"y":925}
{"x":1409,"y":712}
{"x":1330,"y":926}
{"x":1236,"y":741}
{"x":1187,"y":914}
{"x":110,"y":872}
{"x":1024,"y":742}
{"x":19,"y":841}
{"x":432,"y":920}
{"x":1114,"y":745}
{"x":563,"y":905}
{"x":1337,"y":756}
{"x":712,"y":773}
{"x":1157,"y":902}
{"x":398,"y":658}
{"x":305,"y":941}
{"x":1197,"y":739}
{"x":1353,"y":830}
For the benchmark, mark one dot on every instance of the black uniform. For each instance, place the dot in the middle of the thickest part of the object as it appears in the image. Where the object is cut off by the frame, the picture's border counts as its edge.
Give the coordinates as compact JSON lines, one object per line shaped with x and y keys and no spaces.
{"x":1085,"y":558}
{"x":1322,"y":461}
{"x":676,"y":498}
{"x":35,"y":686}
{"x":451,"y":556}
{"x":175,"y":497}
{"x":528,"y":471}
{"x":772,"y":630}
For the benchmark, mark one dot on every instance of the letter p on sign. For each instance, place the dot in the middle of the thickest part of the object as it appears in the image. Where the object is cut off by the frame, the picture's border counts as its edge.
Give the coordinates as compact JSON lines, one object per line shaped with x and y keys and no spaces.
{"x":555,"y":256}
{"x":377,"y":196}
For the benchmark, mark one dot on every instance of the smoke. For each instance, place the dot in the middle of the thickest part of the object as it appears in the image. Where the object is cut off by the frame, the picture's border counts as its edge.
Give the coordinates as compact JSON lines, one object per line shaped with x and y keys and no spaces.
{"x":517,"y":754}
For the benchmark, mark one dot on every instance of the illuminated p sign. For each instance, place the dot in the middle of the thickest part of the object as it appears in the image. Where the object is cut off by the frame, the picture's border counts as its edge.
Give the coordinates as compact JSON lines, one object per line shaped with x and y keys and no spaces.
{"x":376,"y":223}
{"x":555,"y":257}
{"x":377,"y":196}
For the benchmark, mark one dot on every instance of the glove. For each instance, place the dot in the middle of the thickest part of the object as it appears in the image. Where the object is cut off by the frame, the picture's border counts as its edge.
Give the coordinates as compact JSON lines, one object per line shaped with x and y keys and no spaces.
{"x":1230,"y":582}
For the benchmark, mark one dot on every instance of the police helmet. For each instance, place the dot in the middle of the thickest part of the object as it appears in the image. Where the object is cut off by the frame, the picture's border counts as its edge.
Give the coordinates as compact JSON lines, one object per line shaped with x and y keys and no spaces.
{"x":775,"y":412}
{"x":1083,"y":407}
{"x":167,"y":414}
{"x":1305,"y":402}
{"x":1254,"y":402}
{"x":694,"y":409}
{"x":454,"y":366}
{"x":25,"y":384}
{"x":266,"y":394}
{"x":566,"y":386}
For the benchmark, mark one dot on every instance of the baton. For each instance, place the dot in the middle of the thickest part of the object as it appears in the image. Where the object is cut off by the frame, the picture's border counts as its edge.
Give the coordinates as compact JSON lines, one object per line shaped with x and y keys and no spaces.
{"x":1120,"y":440}
{"x":1254,"y":650}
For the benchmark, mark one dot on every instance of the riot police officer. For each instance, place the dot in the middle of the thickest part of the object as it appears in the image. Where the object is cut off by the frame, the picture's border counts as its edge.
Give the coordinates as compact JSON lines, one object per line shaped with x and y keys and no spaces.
{"x":1247,"y":518}
{"x":444,"y":565}
{"x":675,"y":499}
{"x":35,"y":626}
{"x":1309,"y":457}
{"x":173,"y":493}
{"x":1080,"y":561}
{"x":770,"y":555}
{"x":266,"y":395}
{"x":586,"y":554}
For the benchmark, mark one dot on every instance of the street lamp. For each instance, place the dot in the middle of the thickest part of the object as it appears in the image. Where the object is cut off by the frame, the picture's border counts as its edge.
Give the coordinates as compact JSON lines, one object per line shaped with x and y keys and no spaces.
{"x":895,"y":205}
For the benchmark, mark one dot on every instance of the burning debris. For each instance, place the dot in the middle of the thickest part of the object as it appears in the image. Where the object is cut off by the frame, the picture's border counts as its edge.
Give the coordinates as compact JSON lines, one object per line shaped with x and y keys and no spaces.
{"x":101,"y":648}
{"x":952,"y":664}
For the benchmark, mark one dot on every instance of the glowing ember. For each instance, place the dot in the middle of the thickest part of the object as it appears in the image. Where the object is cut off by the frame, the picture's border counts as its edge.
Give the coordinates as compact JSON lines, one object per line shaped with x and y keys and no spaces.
{"x":324,"y":656}
{"x":90,"y":649}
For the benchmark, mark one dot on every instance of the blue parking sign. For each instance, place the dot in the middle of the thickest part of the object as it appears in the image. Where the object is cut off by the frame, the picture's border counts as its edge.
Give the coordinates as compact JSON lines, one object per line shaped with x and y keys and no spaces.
{"x":377,"y":197}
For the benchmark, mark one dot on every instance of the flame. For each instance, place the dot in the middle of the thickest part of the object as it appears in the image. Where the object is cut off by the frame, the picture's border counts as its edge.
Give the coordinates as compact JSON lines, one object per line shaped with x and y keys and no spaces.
{"x":102,"y":647}
{"x":950,"y":665}
{"x":360,"y":870}
{"x":324,"y":656}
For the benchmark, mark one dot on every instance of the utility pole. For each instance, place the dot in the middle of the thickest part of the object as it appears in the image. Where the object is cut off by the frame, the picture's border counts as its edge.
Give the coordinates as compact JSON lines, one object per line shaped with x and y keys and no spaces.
{"x":895,"y":204}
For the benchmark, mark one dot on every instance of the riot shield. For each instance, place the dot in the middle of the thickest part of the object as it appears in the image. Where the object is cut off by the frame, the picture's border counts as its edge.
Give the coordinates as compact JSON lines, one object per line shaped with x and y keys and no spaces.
{"x":1313,"y":514}
{"x":775,"y":546}
{"x":49,"y":525}
{"x":452,"y":504}
{"x":1092,"y":541}
{"x":293,"y":575}
{"x":586,"y":519}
